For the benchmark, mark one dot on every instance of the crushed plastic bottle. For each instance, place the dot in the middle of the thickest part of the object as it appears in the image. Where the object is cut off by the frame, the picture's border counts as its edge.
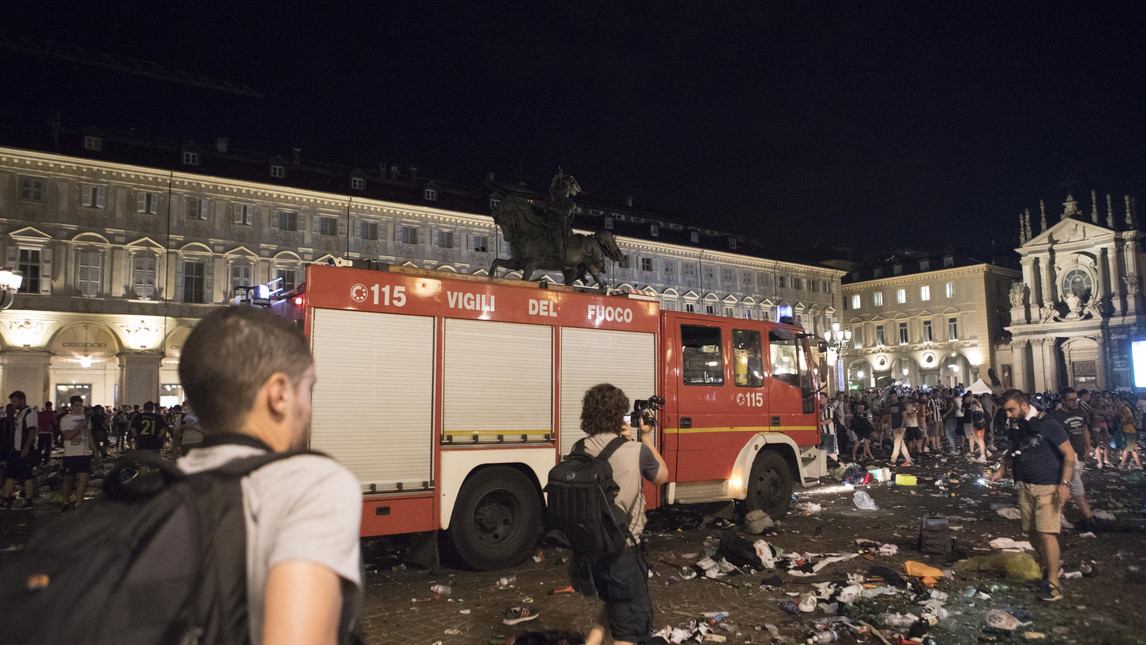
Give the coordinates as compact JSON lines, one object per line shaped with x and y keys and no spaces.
{"x":441,"y":590}
{"x":864,"y":502}
{"x":827,"y":636}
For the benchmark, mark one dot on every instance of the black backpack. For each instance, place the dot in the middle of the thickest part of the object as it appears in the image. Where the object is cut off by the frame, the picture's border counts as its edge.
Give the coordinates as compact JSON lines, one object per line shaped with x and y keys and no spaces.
{"x":161,"y":558}
{"x":582,"y":501}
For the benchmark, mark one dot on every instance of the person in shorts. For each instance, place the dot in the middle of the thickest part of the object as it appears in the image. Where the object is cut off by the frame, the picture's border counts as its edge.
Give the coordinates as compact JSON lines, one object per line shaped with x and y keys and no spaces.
{"x":1043,"y":463}
{"x":620,"y":580}
{"x":19,"y":466}
{"x":77,"y":452}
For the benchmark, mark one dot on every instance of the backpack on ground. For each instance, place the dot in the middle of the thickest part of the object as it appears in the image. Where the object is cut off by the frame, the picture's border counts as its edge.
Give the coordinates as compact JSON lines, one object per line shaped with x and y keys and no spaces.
{"x":934,"y":535}
{"x":582,"y":501}
{"x":161,"y":558}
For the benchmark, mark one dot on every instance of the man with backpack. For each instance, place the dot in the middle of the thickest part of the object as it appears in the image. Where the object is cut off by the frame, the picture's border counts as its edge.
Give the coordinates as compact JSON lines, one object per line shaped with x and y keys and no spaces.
{"x":619,"y":578}
{"x":249,"y":376}
{"x":248,"y":539}
{"x":1043,"y":463}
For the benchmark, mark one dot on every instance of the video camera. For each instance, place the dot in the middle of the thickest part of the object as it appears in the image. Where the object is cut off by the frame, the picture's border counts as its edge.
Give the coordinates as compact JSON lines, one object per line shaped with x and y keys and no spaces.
{"x":645,"y":409}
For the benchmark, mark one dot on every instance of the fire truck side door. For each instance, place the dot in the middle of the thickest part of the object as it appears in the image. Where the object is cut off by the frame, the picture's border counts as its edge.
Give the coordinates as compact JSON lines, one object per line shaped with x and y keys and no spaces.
{"x":791,"y":390}
{"x":703,"y":414}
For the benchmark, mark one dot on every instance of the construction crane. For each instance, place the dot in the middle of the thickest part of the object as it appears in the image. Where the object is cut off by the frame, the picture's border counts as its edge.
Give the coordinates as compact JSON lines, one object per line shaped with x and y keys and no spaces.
{"x":85,"y":56}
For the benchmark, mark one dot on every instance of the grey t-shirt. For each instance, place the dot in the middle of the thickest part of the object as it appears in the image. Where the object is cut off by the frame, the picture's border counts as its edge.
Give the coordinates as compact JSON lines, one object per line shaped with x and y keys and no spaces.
{"x":630,"y":463}
{"x":302,"y":508}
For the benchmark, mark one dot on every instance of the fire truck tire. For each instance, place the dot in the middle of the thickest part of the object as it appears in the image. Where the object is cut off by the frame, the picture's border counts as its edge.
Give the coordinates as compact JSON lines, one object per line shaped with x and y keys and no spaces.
{"x":496,"y":520}
{"x":769,"y":485}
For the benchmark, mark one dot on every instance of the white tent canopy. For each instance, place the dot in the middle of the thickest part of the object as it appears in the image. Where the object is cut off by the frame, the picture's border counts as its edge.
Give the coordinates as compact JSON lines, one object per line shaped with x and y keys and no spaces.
{"x":979,"y":387}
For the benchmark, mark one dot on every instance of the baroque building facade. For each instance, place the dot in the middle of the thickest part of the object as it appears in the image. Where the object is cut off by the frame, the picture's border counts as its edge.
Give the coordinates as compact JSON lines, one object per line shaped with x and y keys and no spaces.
{"x":1079,"y":304}
{"x":123,"y":249}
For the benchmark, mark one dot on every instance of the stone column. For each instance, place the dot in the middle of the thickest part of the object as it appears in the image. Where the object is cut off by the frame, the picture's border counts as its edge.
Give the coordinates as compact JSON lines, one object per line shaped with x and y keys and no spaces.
{"x":1038,"y":368}
{"x":1036,"y":285}
{"x":1100,"y":362}
{"x":1029,"y":280}
{"x":1050,"y":364}
{"x":1048,"y":282}
{"x":140,"y":378}
{"x":1115,"y":265}
{"x":1103,"y":287}
{"x":1133,"y":289}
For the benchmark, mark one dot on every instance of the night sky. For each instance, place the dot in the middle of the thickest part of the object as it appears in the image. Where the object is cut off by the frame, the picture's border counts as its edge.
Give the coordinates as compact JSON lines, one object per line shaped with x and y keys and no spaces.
{"x":895,"y":124}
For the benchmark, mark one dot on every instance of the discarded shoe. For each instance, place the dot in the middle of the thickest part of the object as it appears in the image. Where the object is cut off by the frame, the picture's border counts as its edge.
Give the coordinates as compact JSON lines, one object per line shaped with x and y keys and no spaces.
{"x":515,"y":615}
{"x":808,"y":603}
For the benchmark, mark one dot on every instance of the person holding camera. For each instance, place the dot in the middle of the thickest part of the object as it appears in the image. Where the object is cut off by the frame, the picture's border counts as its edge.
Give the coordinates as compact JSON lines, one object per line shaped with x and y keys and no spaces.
{"x":621,"y":580}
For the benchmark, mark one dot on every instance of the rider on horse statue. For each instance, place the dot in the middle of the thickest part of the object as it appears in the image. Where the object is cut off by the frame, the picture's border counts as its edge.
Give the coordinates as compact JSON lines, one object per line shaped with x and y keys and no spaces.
{"x":544,"y":239}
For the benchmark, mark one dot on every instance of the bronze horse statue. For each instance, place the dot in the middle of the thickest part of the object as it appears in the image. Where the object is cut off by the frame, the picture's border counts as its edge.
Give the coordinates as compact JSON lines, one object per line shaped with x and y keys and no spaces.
{"x":541,"y":238}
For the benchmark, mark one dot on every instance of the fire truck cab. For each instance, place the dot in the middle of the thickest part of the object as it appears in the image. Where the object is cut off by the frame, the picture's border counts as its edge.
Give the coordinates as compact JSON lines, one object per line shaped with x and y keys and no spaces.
{"x":450,"y":397}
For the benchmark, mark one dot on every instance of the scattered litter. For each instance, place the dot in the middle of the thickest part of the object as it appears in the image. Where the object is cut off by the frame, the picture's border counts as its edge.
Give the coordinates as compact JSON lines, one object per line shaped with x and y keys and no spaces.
{"x":506,"y":582}
{"x":1007,"y":544}
{"x":1010,"y":512}
{"x":1088,"y":534}
{"x":465,"y":612}
{"x":757,"y":521}
{"x":999,"y":619}
{"x":540,"y":557}
{"x":809,"y":508}
{"x":864,"y":502}
{"x":888,"y":549}
{"x":441,"y":590}
{"x":1103,"y":514}
{"x":905,"y":480}
{"x":453,"y":632}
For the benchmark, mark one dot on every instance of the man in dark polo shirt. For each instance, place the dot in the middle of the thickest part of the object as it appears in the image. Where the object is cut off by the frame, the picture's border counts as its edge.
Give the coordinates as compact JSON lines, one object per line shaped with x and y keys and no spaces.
{"x":1043,"y":462}
{"x":1076,"y":421}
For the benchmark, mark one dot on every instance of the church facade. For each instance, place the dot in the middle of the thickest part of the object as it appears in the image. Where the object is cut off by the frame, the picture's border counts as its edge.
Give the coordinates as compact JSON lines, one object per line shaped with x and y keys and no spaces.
{"x":1079,"y":305}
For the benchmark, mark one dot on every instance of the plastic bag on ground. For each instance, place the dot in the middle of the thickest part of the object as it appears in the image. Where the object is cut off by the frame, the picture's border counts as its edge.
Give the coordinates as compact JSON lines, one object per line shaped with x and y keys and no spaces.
{"x":1010,"y":512}
{"x":1015,"y":567}
{"x":864,"y":502}
{"x":1007,"y":544}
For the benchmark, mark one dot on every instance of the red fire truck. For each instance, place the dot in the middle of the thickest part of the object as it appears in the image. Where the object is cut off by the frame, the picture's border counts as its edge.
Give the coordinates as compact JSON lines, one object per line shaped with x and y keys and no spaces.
{"x":450,"y":397}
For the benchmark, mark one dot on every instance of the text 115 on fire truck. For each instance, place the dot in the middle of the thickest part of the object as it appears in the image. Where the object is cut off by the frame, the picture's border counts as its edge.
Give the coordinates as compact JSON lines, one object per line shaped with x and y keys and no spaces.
{"x":451,"y":398}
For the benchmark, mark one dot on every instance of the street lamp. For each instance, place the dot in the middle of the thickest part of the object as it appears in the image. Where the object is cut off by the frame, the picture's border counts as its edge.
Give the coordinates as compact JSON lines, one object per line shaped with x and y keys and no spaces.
{"x":10,"y":282}
{"x":838,"y":340}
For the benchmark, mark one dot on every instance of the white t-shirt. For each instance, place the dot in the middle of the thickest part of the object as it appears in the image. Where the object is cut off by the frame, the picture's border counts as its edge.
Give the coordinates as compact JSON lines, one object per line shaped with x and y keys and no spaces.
{"x":79,"y":445}
{"x":302,"y":508}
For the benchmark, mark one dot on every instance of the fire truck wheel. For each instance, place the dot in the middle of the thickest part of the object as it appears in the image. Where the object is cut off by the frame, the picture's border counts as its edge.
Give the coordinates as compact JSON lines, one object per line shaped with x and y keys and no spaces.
{"x":496,"y":519}
{"x":770,"y":485}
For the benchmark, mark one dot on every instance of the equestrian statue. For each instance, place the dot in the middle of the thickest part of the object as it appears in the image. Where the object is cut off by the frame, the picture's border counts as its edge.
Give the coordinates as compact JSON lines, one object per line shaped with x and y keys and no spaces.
{"x":541,"y":236}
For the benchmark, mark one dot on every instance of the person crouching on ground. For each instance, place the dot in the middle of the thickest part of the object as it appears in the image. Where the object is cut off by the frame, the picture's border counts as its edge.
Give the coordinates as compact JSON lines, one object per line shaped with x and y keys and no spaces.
{"x":620,"y":580}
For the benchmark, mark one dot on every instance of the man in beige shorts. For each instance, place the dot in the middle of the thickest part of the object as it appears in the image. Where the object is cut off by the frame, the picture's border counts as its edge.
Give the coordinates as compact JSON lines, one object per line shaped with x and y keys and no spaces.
{"x":1043,"y":462}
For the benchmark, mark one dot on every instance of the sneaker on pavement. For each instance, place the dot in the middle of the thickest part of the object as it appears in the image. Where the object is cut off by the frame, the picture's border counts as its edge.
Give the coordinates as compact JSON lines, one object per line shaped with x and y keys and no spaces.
{"x":1050,"y":592}
{"x":515,"y":615}
{"x":907,"y":464}
{"x":808,"y":603}
{"x":22,"y":505}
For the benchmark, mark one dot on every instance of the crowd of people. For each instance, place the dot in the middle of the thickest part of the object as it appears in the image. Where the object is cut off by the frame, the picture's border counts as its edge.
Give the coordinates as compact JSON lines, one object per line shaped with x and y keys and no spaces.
{"x":1044,"y":441}
{"x":304,"y":560}
{"x":900,"y":422}
{"x":79,"y":435}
